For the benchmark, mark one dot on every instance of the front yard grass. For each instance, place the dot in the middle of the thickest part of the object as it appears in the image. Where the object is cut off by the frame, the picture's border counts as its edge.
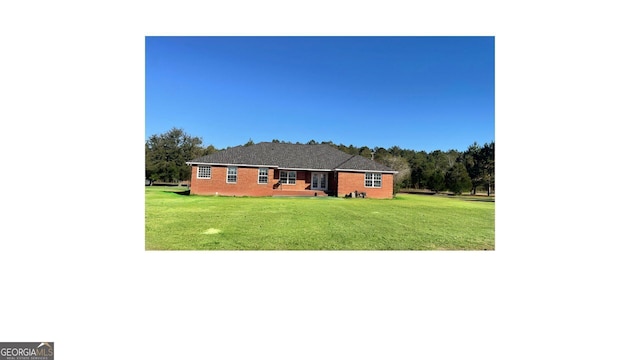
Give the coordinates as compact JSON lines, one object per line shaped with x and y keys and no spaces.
{"x":175,"y":221}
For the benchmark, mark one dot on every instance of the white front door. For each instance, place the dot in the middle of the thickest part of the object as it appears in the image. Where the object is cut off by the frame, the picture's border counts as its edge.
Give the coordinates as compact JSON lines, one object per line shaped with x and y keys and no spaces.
{"x":319,"y":181}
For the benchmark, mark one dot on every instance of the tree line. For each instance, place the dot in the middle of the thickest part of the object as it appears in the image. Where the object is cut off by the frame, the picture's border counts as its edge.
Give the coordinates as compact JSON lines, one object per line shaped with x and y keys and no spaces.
{"x":455,"y":171}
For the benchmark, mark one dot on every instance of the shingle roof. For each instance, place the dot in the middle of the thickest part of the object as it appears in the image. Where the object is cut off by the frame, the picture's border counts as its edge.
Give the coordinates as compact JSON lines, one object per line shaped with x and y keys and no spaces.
{"x":291,"y":156}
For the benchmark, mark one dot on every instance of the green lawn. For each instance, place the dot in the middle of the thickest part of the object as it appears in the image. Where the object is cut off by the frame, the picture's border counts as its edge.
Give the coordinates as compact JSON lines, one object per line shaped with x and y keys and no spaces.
{"x":175,"y":221}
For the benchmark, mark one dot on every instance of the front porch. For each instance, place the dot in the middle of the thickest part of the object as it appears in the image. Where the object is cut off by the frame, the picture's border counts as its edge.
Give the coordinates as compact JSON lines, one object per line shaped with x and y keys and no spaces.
{"x":303,"y":183}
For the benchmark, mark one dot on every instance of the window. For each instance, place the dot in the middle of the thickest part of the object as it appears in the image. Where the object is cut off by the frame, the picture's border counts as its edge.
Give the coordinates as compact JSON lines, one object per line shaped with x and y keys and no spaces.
{"x":288,"y":177}
{"x":232,"y":175}
{"x":373,"y":180}
{"x":263,"y":176}
{"x":204,"y":172}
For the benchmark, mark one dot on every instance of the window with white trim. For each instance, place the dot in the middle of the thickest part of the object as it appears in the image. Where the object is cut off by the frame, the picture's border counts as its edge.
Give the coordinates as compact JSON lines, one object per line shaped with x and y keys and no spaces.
{"x":204,"y":172}
{"x":373,"y":180}
{"x":263,"y":175}
{"x":288,"y":177}
{"x":232,"y":174}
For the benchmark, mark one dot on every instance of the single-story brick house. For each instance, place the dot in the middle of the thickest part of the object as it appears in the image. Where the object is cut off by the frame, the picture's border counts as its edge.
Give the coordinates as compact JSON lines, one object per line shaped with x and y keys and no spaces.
{"x":272,"y":169}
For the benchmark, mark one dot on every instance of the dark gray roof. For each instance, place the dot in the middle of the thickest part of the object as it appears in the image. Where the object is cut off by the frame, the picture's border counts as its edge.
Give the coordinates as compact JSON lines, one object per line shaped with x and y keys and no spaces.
{"x":291,"y":156}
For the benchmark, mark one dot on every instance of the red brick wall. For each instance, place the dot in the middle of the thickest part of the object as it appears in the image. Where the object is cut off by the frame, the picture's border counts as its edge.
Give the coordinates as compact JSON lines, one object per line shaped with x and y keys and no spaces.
{"x":303,"y":181}
{"x":246,"y":185}
{"x":352,"y":181}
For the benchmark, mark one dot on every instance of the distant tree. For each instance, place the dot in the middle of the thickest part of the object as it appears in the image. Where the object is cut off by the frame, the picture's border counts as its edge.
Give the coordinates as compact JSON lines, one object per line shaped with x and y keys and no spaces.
{"x":480,"y":165}
{"x":441,"y":161}
{"x":395,"y":150}
{"x":365,"y":152}
{"x":249,"y":143}
{"x":208,"y":150}
{"x":312,"y":142}
{"x":456,"y":179}
{"x":401,"y":165}
{"x":166,"y":155}
{"x":380,"y":152}
{"x":352,"y":150}
{"x":275,"y":141}
{"x":487,"y":153}
{"x":452,"y":157}
{"x":473,"y":164}
{"x":419,"y":174}
{"x":435,"y":181}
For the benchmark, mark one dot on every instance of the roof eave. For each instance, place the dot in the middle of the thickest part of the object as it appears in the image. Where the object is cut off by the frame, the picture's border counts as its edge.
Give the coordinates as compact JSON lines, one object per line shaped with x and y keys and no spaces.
{"x":371,"y":170}
{"x":302,"y":169}
{"x":229,"y":164}
{"x":289,"y":168}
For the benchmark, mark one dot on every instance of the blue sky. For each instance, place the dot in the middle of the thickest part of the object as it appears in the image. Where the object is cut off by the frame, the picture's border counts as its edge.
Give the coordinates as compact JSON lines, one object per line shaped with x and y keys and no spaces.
{"x":420,"y":93}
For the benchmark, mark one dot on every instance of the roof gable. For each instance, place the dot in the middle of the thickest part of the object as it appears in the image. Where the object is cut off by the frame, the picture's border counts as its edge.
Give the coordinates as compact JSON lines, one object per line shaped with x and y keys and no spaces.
{"x":291,"y":156}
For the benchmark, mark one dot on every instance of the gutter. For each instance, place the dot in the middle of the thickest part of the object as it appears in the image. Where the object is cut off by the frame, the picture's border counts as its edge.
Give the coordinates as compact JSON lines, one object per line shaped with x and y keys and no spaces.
{"x":378,"y":171}
{"x":292,"y":168}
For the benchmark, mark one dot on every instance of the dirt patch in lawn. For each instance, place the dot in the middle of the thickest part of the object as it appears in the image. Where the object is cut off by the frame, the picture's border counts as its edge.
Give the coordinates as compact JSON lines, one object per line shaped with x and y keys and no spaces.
{"x":212,"y":231}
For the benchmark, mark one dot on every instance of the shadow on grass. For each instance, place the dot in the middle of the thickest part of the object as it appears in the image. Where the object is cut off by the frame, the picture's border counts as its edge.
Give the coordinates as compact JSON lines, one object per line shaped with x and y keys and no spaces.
{"x":186,"y":192}
{"x":417,"y":192}
{"x":487,"y":199}
{"x":479,"y":198}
